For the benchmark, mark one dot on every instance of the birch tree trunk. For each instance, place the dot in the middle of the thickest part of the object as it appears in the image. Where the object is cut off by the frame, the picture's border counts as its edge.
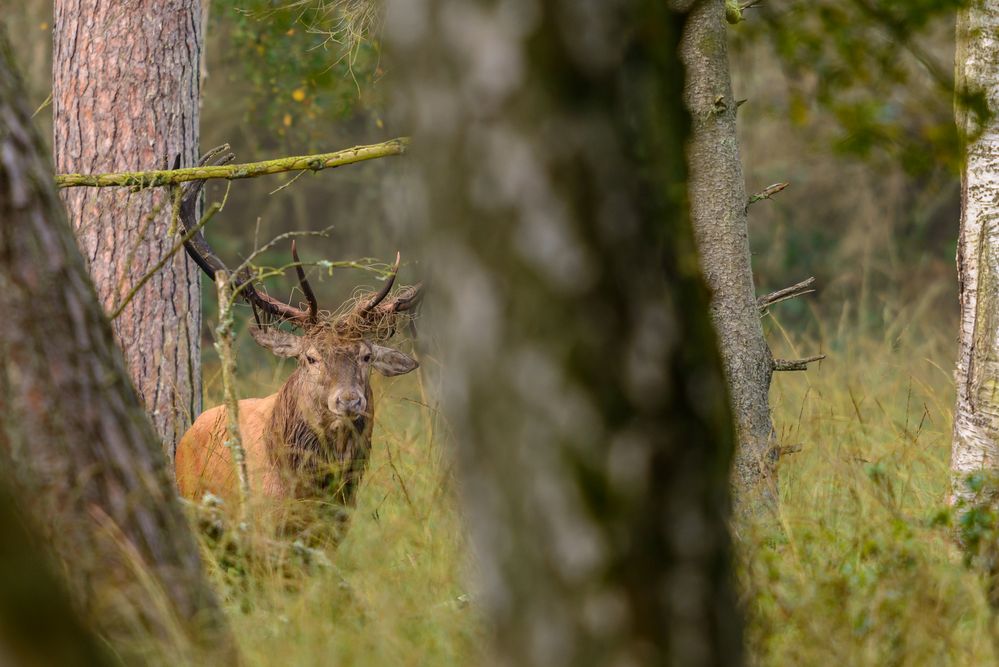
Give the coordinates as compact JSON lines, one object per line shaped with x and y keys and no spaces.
{"x":125,"y":96}
{"x":580,"y":370}
{"x":718,"y":203}
{"x":88,"y":463}
{"x":976,"y":416}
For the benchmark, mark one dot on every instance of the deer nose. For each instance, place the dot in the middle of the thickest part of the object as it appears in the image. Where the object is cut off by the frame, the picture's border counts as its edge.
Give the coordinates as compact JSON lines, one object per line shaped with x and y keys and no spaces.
{"x":348,"y":403}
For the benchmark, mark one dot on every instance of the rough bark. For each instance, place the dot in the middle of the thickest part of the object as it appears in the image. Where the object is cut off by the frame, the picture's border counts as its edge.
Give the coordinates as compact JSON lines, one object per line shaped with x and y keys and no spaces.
{"x":87,"y":460}
{"x":976,"y":416}
{"x":125,"y":95}
{"x":581,"y":374}
{"x":718,"y":203}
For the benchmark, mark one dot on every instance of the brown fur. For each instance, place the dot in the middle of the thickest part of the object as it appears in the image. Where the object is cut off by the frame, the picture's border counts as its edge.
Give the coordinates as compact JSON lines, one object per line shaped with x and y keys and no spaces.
{"x":296,"y":446}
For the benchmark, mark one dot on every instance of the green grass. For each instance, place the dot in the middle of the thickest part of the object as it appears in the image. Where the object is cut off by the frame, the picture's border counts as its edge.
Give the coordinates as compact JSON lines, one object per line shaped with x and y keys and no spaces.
{"x":858,"y":565}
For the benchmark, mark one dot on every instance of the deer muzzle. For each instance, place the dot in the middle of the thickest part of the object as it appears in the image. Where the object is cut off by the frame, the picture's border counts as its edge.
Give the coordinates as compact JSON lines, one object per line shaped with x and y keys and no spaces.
{"x":347,"y":403}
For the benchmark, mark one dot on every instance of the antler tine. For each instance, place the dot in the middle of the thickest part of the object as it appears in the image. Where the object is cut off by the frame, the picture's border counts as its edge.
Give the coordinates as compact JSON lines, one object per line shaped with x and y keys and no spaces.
{"x":192,"y":188}
{"x":310,"y":296}
{"x":210,"y":155}
{"x":377,"y":298}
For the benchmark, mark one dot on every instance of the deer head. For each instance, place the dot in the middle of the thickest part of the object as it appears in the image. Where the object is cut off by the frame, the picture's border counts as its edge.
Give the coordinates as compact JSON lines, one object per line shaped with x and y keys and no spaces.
{"x":336,"y":351}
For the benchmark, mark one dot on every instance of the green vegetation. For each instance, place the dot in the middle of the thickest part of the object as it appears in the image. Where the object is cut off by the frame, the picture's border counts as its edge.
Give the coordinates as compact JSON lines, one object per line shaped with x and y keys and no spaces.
{"x":862,"y":567}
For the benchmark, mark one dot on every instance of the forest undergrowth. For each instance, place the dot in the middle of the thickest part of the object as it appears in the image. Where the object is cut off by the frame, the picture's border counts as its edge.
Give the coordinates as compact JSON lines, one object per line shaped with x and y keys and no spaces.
{"x":857,"y":566}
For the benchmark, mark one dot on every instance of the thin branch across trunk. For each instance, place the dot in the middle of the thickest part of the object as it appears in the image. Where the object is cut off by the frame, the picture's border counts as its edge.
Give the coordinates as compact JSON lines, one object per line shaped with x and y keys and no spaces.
{"x":231,"y":172}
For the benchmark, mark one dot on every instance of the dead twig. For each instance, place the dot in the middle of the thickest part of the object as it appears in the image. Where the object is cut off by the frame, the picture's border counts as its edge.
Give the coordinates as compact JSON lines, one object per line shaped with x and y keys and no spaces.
{"x":791,"y":292}
{"x":796,"y":364}
{"x":767,"y":192}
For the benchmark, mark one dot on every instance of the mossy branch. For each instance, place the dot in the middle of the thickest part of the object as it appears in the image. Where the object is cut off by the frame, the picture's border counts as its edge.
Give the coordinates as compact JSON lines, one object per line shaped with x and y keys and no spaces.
{"x":161,"y":177}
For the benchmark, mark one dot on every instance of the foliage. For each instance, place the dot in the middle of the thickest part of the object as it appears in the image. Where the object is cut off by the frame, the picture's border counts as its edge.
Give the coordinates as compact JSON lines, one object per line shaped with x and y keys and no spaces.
{"x":303,"y":60}
{"x":881,"y":69}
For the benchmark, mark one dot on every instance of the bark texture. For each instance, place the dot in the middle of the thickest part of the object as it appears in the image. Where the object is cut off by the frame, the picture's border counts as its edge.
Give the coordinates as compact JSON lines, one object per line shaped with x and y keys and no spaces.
{"x":976,"y":416}
{"x":74,"y":433}
{"x":718,"y":203}
{"x":125,"y":97}
{"x":581,"y":374}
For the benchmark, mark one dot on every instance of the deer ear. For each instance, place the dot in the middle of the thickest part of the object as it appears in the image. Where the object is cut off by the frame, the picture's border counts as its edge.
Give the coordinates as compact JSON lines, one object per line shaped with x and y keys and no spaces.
{"x":391,"y":362}
{"x":281,"y":343}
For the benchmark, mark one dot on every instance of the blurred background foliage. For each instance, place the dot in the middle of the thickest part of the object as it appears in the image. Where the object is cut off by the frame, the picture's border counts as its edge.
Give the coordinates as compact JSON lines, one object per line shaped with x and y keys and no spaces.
{"x":848,"y":100}
{"x":852,"y":102}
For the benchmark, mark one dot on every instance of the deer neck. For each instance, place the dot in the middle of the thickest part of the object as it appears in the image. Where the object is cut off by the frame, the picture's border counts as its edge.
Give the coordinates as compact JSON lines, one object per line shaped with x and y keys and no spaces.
{"x":321,"y":452}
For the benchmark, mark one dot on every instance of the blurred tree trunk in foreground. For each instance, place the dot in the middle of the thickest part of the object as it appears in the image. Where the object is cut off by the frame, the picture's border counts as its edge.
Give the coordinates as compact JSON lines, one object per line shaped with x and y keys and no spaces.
{"x":38,"y":625}
{"x":581,"y":373}
{"x":125,"y":96}
{"x":976,"y":415}
{"x":87,"y":461}
{"x":718,"y":210}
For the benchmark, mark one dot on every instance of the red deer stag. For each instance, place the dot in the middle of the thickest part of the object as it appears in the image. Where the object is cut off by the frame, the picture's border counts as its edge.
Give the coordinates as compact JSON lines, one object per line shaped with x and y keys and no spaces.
{"x":311,"y":439}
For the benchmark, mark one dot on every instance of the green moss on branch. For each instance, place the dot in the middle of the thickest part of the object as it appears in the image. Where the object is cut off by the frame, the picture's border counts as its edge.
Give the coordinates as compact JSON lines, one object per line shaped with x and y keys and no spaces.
{"x":159,"y":178}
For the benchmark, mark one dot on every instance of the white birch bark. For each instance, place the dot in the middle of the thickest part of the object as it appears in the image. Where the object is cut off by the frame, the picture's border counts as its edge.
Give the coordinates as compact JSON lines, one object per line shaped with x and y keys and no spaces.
{"x":976,"y":415}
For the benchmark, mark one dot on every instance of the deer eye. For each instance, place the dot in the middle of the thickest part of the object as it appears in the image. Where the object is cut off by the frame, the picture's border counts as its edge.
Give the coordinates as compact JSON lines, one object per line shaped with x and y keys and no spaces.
{"x":310,"y":359}
{"x":366,"y":358}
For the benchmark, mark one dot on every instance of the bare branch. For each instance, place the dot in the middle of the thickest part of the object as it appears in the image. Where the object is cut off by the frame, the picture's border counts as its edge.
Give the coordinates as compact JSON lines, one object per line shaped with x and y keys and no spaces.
{"x":791,"y":292}
{"x":223,"y":346}
{"x":767,"y":192}
{"x":158,"y":178}
{"x":796,"y":364}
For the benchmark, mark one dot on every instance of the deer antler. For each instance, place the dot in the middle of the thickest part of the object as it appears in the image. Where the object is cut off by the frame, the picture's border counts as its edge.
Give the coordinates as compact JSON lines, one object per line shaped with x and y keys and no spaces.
{"x":310,"y":296}
{"x":374,"y":316}
{"x":199,"y":250}
{"x":371,"y":303}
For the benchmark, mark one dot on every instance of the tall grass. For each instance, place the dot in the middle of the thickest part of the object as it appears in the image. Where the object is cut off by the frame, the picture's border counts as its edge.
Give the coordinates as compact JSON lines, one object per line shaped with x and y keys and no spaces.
{"x":858,"y":565}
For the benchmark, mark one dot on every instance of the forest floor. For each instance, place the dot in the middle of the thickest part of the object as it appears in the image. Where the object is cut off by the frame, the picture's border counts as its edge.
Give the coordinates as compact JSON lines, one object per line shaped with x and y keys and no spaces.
{"x":857,"y":566}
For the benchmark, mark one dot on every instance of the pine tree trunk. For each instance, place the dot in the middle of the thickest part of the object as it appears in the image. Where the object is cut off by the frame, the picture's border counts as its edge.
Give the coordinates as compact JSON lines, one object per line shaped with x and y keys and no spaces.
{"x":976,"y":415}
{"x":125,"y":95}
{"x":718,"y":204}
{"x":580,"y":370}
{"x":86,"y":458}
